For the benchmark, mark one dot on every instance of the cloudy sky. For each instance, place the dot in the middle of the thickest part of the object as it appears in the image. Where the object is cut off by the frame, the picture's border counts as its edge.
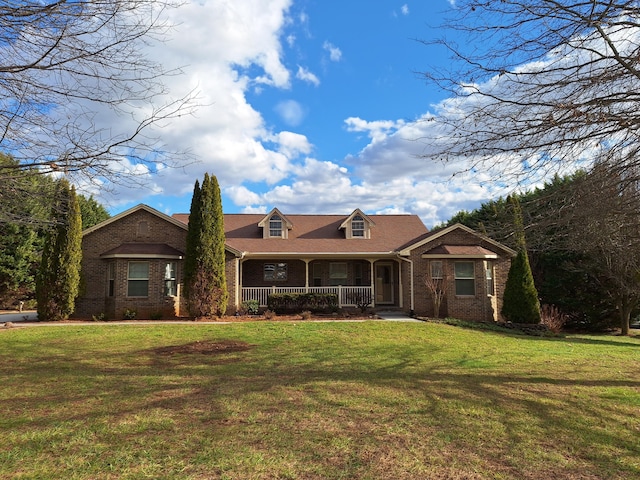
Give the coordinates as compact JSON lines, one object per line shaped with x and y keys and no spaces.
{"x":311,"y":106}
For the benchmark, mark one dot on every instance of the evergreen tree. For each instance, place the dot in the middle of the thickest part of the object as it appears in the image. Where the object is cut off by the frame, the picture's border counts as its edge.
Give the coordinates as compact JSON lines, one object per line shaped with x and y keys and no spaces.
{"x":520,"y":303}
{"x":205,"y":279}
{"x":193,"y":234}
{"x":91,"y":211}
{"x":58,"y":278}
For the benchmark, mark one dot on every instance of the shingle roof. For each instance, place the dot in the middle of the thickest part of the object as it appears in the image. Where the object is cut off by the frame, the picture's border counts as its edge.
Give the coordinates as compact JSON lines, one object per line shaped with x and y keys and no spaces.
{"x":319,"y":234}
{"x":461,"y":250}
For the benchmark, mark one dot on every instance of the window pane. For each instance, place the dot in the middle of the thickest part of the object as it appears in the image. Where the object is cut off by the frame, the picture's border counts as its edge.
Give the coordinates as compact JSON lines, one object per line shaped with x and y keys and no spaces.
{"x":464,"y":269}
{"x":138,"y":288}
{"x":338,"y":270}
{"x":337,"y":273}
{"x":436,"y":269}
{"x":357,"y":226}
{"x":170,"y":288}
{"x":138,"y":281}
{"x":464,"y":278}
{"x":139,"y":270}
{"x":275,"y":226}
{"x":170,"y":271}
{"x":275,"y":271}
{"x":465,"y":287}
{"x":111,"y":279}
{"x":489,"y":276}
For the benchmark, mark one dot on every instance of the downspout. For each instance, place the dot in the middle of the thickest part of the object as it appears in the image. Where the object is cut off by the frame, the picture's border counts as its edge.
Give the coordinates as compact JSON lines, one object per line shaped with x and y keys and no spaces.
{"x":411,"y":291}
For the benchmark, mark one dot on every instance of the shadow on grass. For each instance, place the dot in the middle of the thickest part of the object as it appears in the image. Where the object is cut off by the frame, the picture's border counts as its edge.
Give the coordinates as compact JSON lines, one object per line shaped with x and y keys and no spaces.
{"x":464,"y":401}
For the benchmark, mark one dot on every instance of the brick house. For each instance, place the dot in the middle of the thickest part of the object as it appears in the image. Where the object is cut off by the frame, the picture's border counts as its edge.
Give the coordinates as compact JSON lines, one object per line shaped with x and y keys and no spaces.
{"x":134,"y":261}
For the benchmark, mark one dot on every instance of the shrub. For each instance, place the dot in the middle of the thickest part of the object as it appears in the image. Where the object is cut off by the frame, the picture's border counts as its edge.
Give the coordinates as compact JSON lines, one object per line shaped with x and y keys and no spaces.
{"x":361,"y":300}
{"x":129,"y":314}
{"x":250,"y":307}
{"x":298,"y":302}
{"x":553,"y":318}
{"x":99,"y":317}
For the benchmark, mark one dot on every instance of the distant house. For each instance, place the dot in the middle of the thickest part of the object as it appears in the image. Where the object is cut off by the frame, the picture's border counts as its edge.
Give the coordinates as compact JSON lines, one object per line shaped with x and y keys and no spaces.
{"x":134,"y":261}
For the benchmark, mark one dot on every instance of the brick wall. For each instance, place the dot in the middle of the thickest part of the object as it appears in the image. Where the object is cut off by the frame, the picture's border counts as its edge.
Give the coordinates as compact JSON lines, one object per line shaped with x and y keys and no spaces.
{"x":139,"y":226}
{"x":478,"y":307}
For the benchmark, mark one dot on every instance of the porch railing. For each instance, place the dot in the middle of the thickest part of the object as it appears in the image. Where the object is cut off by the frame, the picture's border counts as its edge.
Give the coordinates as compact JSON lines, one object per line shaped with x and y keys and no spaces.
{"x":347,"y":295}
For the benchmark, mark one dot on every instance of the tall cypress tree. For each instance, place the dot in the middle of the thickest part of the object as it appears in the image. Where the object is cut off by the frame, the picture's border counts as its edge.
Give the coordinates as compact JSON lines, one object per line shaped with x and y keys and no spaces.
{"x":205,"y":279}
{"x":193,"y":232}
{"x":520,"y":301}
{"x":58,"y":278}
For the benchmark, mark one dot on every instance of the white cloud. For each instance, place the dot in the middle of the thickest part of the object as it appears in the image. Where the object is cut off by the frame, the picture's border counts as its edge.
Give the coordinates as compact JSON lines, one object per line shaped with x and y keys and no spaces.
{"x":307,"y":76}
{"x":335,"y":54}
{"x":292,"y":144}
{"x":376,"y":130}
{"x":291,"y":112}
{"x":405,"y":9}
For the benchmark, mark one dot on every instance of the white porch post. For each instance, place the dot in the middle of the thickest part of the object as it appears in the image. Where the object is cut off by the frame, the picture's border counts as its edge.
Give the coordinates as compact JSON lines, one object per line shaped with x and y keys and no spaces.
{"x":238,"y":284}
{"x":373,"y":281}
{"x":306,"y":275}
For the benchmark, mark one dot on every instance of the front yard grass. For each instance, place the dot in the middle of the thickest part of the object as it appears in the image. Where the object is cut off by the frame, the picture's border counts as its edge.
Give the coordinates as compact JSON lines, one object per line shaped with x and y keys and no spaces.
{"x":276,"y":400}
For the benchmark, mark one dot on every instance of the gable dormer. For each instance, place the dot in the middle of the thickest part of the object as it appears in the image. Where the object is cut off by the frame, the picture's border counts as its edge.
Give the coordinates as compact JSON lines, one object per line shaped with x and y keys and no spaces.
{"x":275,"y":225}
{"x":357,"y":225}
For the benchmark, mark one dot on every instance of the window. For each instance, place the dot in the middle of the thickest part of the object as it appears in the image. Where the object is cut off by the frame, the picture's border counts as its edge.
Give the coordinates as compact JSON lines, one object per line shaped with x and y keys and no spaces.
{"x":464,"y":278}
{"x":489,"y":278}
{"x":436,"y":269}
{"x":338,"y":273}
{"x":317,"y":274}
{"x":275,"y":226}
{"x":111,"y":279}
{"x":357,"y":226}
{"x":138,"y":279}
{"x":276,"y":272}
{"x":170,"y":286}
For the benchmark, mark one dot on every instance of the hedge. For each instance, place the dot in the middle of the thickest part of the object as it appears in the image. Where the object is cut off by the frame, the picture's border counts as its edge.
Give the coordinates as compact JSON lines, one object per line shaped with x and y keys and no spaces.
{"x":299,"y":302}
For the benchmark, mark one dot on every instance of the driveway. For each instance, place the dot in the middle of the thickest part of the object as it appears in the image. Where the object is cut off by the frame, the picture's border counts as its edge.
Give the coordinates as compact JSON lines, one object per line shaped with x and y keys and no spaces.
{"x":18,"y":316}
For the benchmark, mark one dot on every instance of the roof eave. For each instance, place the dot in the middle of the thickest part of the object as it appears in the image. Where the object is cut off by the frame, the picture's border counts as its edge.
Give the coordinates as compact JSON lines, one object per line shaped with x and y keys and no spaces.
{"x":453,"y":255}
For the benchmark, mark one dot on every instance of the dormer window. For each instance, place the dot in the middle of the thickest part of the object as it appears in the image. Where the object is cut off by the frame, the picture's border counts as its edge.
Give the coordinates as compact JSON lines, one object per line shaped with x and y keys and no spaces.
{"x":357,"y":226}
{"x":275,"y":226}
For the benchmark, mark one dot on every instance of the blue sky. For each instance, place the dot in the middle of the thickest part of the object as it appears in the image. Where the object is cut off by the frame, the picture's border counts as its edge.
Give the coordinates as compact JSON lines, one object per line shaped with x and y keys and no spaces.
{"x":311,"y":106}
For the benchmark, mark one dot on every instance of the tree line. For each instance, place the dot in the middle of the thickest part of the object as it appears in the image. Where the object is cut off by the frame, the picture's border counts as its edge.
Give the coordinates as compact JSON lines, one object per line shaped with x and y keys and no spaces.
{"x":33,"y":207}
{"x":583,"y":240}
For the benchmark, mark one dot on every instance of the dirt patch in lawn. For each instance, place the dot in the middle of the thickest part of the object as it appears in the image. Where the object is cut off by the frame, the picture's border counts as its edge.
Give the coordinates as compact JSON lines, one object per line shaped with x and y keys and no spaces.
{"x":205,"y":347}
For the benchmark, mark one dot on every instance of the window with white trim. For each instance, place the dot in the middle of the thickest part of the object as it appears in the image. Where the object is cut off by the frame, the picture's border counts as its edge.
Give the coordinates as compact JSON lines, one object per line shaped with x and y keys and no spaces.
{"x":111,"y":279}
{"x":338,"y":273}
{"x":464,"y":275}
{"x":138,"y":279}
{"x":489,"y":278}
{"x":357,"y":226}
{"x":436,"y":269}
{"x":275,"y":272}
{"x":275,"y":226}
{"x":170,"y":284}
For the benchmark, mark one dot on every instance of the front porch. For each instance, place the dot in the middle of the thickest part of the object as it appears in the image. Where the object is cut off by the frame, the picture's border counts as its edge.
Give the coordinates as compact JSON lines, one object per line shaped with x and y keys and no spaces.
{"x":355,"y":281}
{"x":348,"y":296}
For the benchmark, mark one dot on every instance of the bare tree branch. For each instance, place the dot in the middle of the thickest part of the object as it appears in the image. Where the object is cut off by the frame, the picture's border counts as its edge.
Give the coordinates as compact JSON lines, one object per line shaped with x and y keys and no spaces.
{"x":77,"y":93}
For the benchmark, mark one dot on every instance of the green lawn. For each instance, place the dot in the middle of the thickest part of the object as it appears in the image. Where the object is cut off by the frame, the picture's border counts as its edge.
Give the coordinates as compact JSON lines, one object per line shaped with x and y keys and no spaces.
{"x":316,"y":400}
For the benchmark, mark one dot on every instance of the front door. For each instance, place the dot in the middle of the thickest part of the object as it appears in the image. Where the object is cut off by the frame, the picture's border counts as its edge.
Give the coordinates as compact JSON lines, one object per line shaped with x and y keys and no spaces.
{"x":384,"y":283}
